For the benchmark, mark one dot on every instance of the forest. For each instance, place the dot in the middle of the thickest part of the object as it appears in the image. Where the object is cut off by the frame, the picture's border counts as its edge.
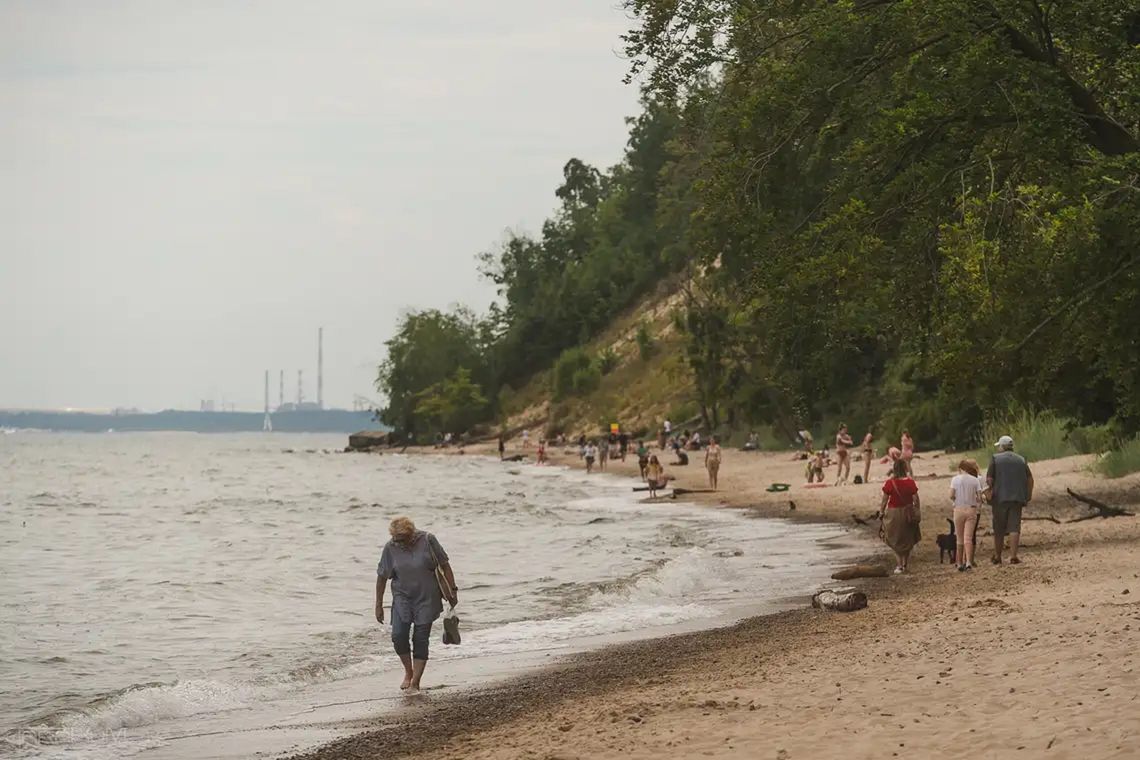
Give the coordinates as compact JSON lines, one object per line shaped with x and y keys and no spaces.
{"x":906,"y":214}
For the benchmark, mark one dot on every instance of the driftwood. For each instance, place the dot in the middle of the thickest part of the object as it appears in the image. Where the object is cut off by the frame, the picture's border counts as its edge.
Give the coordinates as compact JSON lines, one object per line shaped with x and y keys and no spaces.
{"x":860,"y":571}
{"x":683,"y":491}
{"x":1047,"y":518}
{"x":864,"y":520}
{"x":1103,"y":510}
{"x":515,"y":458}
{"x":839,"y":599}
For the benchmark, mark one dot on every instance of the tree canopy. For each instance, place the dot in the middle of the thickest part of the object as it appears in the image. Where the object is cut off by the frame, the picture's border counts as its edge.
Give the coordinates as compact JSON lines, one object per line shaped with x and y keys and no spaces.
{"x":896,"y":212}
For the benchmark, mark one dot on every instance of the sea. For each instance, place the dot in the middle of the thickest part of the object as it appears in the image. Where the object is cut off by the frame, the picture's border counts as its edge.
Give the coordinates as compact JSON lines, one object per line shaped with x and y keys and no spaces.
{"x":179,"y":595}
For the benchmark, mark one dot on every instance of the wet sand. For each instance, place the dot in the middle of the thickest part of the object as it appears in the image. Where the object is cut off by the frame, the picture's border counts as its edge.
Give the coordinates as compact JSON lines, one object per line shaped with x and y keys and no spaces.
{"x":1036,"y":660}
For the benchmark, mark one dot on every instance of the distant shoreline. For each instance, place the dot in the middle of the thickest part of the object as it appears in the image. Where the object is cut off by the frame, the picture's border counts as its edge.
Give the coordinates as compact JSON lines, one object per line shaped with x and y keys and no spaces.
{"x":303,"y":421}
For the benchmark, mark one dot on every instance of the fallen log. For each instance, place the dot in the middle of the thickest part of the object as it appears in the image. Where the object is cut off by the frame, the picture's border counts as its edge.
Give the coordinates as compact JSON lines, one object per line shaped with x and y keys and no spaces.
{"x":683,"y":491}
{"x":839,"y":599}
{"x":1047,"y":518}
{"x":860,"y":571}
{"x":1103,"y":510}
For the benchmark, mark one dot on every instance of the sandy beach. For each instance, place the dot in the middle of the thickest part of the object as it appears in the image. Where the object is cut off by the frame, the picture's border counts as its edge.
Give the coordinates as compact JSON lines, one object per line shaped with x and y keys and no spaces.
{"x":1036,"y":660}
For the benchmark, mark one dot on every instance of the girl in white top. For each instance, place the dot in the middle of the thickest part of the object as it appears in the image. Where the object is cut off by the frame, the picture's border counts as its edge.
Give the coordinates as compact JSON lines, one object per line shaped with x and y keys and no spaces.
{"x":966,"y":493}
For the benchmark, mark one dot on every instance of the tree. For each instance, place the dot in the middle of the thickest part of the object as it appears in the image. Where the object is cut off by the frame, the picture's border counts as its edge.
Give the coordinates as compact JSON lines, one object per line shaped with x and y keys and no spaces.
{"x":454,"y":404}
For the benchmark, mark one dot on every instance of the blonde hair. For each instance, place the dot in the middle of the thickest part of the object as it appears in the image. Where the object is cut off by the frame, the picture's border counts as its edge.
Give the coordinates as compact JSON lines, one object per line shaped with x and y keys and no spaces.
{"x":402,"y":527}
{"x":970,"y":466}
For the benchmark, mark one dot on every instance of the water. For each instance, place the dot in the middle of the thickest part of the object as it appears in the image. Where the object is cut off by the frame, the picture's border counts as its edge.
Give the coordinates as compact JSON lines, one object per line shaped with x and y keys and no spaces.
{"x":154,"y":582}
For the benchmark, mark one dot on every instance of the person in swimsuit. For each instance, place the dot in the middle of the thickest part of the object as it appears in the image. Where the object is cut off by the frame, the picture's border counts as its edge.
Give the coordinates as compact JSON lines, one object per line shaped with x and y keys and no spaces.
{"x":842,"y":442}
{"x":908,"y":451}
{"x":868,"y":455}
{"x":654,"y":476}
{"x":541,"y":451}
{"x":712,"y":461}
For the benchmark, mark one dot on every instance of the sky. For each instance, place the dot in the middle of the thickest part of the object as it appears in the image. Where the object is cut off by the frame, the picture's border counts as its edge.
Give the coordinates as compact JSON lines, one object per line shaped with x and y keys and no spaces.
{"x":190,"y":188}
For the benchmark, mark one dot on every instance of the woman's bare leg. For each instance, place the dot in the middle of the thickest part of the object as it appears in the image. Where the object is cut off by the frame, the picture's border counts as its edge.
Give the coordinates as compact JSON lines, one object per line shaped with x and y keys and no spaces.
{"x":407,"y":660}
{"x":417,"y":673}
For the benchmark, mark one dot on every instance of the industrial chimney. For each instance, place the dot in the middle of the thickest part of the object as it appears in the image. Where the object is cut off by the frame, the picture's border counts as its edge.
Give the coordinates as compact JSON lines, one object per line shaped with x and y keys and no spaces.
{"x":320,"y":368}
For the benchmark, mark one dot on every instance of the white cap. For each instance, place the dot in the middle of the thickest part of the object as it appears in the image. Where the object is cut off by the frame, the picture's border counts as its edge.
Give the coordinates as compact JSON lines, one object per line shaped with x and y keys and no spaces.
{"x":1005,"y":442}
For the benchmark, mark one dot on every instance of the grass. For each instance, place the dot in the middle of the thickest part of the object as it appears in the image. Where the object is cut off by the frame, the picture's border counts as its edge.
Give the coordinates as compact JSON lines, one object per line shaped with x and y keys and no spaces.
{"x":1123,"y":460}
{"x":1037,"y":436}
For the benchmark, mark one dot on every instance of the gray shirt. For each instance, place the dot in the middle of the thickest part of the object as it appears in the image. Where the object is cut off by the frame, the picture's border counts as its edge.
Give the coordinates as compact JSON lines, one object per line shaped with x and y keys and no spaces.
{"x":1010,"y":475}
{"x":415,"y":591}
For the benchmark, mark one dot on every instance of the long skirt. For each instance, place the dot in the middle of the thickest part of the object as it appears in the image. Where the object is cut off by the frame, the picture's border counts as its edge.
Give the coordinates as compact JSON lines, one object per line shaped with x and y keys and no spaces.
{"x":901,"y":532}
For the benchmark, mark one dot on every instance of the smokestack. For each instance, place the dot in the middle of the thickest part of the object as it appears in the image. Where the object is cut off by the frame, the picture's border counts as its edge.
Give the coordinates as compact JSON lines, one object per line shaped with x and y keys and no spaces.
{"x":267,"y":391}
{"x":300,"y":389}
{"x":281,"y":391}
{"x":320,"y":368}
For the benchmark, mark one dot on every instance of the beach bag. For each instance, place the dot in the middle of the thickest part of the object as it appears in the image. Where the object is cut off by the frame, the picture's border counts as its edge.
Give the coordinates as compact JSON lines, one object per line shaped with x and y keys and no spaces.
{"x":451,"y":627}
{"x":450,"y":618}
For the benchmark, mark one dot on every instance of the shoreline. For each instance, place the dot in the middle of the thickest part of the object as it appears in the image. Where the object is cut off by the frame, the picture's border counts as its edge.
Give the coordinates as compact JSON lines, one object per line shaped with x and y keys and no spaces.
{"x":602,"y":701}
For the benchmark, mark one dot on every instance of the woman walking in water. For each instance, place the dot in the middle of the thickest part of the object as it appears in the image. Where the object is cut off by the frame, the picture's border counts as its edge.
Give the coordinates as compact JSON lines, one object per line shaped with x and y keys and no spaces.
{"x":899,"y":511}
{"x":409,"y":561}
{"x":842,"y":442}
{"x":712,"y":461}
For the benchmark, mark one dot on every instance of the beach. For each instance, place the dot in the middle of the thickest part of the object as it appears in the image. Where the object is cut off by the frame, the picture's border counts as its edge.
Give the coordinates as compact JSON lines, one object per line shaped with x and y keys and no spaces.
{"x":1037,"y":659}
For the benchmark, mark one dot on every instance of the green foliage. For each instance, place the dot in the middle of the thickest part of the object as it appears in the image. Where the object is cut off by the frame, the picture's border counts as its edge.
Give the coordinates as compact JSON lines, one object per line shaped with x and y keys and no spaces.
{"x":571,"y":363}
{"x":1037,"y":436}
{"x":454,"y":404}
{"x":916,"y":212}
{"x":1092,"y":439}
{"x":1122,"y":461}
{"x":607,"y":361}
{"x":429,"y":347}
{"x":646,"y":346}
{"x":586,"y":379}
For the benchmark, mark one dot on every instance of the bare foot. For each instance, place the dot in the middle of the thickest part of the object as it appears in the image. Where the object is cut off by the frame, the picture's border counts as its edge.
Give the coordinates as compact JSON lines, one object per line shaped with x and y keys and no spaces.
{"x":407,"y":684}
{"x":413,"y":689}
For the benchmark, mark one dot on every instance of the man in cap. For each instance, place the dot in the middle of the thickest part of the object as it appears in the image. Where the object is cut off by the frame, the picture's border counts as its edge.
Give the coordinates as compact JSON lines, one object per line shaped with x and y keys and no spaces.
{"x":1011,"y":488}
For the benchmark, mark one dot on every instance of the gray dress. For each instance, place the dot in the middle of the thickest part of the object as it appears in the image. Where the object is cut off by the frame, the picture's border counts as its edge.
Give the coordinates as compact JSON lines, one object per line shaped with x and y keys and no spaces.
{"x":415,"y":592}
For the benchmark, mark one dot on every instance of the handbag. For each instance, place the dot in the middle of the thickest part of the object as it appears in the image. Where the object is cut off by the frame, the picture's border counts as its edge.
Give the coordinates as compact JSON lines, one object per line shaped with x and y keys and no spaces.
{"x":451,"y":617}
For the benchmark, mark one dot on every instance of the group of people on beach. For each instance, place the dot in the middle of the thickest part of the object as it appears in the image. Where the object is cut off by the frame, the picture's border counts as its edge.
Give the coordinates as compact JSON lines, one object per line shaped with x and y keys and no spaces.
{"x":419,"y":571}
{"x":819,"y":460}
{"x":1007,"y":487}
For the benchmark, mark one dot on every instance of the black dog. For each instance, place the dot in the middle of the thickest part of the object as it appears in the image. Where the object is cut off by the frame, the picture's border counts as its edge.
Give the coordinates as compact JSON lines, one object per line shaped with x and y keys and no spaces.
{"x":947,"y":544}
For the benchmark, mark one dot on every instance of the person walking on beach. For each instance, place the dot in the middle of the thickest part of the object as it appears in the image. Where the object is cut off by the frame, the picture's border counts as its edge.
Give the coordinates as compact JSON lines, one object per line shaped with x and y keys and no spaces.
{"x":654,"y":476}
{"x":409,"y":560}
{"x":623,"y":444}
{"x":642,"y":458}
{"x":1011,"y":488}
{"x":591,"y":453}
{"x":966,"y":494}
{"x":843,"y":454}
{"x":899,"y":511}
{"x":526,"y":439}
{"x":603,"y":454}
{"x":712,"y":461}
{"x":868,"y":455}
{"x":908,"y":451}
{"x":502,"y":447}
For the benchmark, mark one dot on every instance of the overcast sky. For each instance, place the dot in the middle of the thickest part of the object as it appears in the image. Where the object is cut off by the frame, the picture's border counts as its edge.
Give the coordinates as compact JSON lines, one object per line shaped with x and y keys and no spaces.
{"x":188,"y":189}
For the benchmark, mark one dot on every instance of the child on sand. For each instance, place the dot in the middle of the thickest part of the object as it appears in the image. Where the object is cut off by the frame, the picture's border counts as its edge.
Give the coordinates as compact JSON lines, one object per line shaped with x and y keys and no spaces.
{"x":815,"y":468}
{"x":591,"y":453}
{"x":542,"y":451}
{"x":642,"y":458}
{"x":655,"y":476}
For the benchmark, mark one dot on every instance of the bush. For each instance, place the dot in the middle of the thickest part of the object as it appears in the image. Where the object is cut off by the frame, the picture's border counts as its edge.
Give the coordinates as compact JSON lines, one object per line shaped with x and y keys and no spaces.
{"x":1036,"y":435}
{"x":586,"y":379}
{"x":569,"y":364}
{"x":1092,"y":439}
{"x":1124,"y":460}
{"x":645,"y":343}
{"x":607,"y":361}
